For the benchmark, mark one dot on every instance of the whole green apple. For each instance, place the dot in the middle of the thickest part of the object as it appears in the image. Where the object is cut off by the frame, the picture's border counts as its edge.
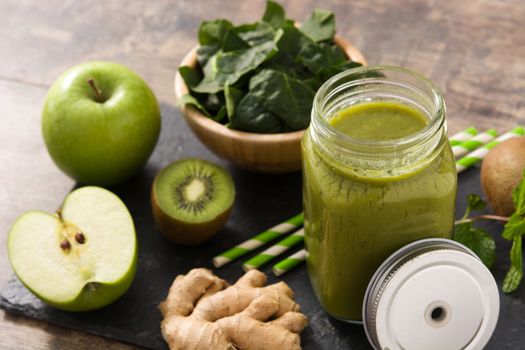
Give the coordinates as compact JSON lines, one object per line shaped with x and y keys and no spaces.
{"x":80,"y":259}
{"x":100,"y":122}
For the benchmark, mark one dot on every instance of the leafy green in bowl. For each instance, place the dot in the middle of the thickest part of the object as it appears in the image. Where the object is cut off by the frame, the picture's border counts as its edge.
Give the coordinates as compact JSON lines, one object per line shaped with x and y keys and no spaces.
{"x":262,"y":77}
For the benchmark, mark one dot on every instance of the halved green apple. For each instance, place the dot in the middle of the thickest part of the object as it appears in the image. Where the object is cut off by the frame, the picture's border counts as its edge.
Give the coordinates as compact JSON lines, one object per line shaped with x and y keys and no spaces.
{"x":81,"y":258}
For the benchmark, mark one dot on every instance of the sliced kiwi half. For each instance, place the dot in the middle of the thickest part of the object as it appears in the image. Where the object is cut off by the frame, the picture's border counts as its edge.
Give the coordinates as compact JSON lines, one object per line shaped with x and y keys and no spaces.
{"x":192,"y":200}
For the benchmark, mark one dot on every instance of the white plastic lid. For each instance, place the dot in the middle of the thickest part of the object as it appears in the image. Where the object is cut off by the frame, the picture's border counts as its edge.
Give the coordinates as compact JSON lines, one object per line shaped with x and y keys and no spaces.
{"x":431,"y":294}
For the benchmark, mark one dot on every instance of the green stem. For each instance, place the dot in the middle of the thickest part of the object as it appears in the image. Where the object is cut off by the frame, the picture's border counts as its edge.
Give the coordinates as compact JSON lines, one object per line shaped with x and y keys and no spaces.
{"x":467,"y":213}
{"x":482,"y":217}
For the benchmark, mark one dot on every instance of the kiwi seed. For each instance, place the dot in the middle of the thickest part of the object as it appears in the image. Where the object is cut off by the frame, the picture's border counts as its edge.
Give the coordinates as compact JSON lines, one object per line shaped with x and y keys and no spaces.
{"x":191,"y":200}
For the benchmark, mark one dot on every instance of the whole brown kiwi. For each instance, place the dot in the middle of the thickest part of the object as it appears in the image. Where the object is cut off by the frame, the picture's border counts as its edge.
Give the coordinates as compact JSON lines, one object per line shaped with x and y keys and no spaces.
{"x":501,"y":171}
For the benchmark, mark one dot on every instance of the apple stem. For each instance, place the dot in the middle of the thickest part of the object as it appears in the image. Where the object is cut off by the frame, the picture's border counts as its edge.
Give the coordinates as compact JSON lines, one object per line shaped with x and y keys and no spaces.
{"x":98,"y":93}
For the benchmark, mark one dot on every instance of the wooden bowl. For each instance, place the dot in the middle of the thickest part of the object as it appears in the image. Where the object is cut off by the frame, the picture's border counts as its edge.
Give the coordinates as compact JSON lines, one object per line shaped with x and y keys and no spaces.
{"x":266,"y":153}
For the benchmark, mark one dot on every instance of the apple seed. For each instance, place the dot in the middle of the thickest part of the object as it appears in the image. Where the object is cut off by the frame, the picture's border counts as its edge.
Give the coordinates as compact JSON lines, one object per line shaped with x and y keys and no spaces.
{"x":65,"y":245}
{"x":80,"y":238}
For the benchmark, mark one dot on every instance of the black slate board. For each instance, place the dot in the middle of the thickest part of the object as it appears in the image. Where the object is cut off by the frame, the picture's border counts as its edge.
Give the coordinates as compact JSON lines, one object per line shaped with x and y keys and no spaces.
{"x":262,"y":201}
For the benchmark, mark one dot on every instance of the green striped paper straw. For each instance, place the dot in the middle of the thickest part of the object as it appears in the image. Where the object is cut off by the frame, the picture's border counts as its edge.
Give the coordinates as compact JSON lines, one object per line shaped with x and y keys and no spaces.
{"x":477,"y":155}
{"x":462,"y":136}
{"x":289,"y":263}
{"x":474,"y":143}
{"x":257,"y":241}
{"x":270,"y":253}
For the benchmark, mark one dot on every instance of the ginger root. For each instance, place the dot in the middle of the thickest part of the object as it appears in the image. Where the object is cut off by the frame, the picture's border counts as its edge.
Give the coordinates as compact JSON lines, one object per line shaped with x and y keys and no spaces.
{"x":203,"y":312}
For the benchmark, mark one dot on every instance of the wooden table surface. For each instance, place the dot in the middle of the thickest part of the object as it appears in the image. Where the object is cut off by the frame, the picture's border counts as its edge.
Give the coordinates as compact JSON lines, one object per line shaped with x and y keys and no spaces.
{"x":473,"y":50}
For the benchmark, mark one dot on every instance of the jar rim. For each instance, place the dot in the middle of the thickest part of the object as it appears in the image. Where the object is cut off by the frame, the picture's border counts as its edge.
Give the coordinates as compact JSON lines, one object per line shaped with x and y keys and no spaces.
{"x":429,"y":129}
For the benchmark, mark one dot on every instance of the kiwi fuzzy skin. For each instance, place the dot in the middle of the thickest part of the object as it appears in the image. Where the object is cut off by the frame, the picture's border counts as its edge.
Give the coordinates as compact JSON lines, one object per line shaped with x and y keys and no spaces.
{"x":501,"y":171}
{"x":182,"y":232}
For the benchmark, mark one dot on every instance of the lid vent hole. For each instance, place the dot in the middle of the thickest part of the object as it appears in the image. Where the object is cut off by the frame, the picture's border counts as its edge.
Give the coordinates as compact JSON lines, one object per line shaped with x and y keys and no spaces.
{"x":438,"y":314}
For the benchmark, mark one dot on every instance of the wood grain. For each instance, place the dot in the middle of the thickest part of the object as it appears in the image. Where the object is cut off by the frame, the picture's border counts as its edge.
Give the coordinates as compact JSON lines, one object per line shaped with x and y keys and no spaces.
{"x":472,"y":50}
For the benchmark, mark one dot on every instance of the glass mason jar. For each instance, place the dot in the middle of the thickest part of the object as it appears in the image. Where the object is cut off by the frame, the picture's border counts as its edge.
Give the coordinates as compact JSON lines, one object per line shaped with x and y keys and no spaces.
{"x":366,"y":198}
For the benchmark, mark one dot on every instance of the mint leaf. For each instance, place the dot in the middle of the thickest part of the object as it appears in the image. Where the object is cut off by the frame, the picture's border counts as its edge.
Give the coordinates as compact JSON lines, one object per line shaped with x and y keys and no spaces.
{"x":515,"y":273}
{"x":320,"y":26}
{"x":514,"y":230}
{"x":478,"y":240}
{"x":475,"y":202}
{"x":515,"y":227}
{"x":274,"y":14}
{"x":518,"y":197}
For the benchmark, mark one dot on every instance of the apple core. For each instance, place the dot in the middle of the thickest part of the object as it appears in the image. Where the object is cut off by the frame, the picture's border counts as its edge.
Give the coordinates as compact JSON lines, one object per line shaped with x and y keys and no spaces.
{"x":83,"y":257}
{"x":194,"y":190}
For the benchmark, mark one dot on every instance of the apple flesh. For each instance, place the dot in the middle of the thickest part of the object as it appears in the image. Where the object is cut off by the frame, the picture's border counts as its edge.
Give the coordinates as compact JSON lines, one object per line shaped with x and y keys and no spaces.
{"x":100,"y":123}
{"x":82,"y":258}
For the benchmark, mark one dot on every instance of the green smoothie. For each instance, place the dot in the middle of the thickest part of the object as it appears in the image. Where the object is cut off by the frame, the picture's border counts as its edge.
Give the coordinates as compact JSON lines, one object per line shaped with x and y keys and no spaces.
{"x":353,"y":224}
{"x":379,"y":121}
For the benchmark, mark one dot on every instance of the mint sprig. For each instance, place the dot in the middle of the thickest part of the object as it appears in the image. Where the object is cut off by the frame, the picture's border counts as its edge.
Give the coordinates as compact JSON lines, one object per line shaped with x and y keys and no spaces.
{"x":518,"y":197}
{"x":514,"y":230}
{"x":514,"y":275}
{"x":477,"y":239}
{"x":480,"y":241}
